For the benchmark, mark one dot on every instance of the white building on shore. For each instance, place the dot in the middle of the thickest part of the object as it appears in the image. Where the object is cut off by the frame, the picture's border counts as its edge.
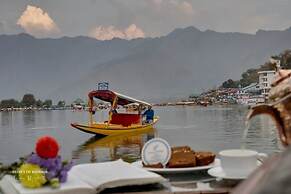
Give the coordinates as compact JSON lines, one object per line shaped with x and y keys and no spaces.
{"x":265,"y":80}
{"x":256,"y":93}
{"x":250,"y":95}
{"x":253,"y":88}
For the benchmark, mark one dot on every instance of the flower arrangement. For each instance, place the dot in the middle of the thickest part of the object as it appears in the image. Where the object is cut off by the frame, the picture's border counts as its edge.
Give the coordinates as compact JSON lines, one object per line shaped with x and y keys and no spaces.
{"x":44,"y":167}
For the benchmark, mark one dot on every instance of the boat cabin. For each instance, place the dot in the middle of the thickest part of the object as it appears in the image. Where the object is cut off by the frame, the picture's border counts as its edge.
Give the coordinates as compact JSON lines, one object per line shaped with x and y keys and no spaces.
{"x":116,"y":99}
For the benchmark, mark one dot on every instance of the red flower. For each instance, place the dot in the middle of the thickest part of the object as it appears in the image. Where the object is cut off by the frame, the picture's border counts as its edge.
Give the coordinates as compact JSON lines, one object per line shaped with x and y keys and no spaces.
{"x":47,"y":147}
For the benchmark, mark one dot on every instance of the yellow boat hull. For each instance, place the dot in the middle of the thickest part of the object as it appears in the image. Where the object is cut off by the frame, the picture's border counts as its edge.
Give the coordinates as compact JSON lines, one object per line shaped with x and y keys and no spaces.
{"x":112,"y":129}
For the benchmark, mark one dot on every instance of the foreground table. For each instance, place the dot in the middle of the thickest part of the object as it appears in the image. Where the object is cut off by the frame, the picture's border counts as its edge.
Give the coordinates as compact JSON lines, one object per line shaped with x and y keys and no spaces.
{"x":180,"y":183}
{"x":190,"y":183}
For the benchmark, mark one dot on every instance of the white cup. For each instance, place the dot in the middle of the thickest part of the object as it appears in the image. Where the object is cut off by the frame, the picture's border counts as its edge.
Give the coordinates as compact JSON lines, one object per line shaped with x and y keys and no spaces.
{"x":239,"y":162}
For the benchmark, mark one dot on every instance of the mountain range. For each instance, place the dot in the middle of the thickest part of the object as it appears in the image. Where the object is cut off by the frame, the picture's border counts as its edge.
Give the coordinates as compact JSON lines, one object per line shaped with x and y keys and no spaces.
{"x":178,"y":64}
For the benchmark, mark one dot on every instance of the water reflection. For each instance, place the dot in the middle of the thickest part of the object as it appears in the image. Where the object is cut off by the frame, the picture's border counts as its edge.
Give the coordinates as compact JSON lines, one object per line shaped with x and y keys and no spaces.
{"x":263,"y":130}
{"x":126,"y":146}
{"x":6,"y":119}
{"x":215,"y":128}
{"x":28,"y":119}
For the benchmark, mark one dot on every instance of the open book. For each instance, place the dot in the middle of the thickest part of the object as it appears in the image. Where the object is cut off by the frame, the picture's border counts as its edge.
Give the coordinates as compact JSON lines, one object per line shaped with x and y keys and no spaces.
{"x":90,"y":179}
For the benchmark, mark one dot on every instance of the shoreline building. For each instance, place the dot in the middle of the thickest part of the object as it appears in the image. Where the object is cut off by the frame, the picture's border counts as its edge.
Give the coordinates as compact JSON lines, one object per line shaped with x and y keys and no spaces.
{"x":253,"y":88}
{"x":250,"y":95}
{"x":265,"y":80}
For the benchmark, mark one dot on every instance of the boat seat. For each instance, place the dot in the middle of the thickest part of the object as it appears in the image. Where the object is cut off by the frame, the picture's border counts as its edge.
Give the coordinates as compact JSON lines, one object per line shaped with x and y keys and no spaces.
{"x":125,"y":119}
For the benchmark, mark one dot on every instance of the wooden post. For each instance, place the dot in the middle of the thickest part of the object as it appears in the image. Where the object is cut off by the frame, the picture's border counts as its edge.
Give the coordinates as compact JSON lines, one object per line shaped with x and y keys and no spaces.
{"x":91,"y":104}
{"x":113,"y":106}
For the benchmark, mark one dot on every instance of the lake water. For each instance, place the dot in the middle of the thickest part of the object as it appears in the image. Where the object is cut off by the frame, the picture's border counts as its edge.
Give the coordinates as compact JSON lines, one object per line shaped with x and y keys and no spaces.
{"x":203,"y":128}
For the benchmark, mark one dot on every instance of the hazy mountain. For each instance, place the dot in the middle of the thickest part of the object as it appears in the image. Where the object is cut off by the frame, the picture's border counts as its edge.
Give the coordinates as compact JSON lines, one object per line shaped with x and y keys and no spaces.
{"x":185,"y":61}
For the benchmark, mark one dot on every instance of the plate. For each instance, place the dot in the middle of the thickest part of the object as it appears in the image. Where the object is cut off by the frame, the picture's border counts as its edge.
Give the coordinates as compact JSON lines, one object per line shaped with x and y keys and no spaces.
{"x":218,"y":172}
{"x":178,"y":170}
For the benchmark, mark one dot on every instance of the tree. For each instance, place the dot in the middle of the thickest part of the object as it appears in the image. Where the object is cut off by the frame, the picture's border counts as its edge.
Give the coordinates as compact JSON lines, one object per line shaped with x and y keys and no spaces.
{"x":194,"y":96}
{"x":268,"y":66}
{"x":9,"y":103}
{"x":38,"y":103}
{"x":28,"y":100}
{"x":61,"y":103}
{"x":47,"y":103}
{"x":248,"y":77}
{"x":286,"y":59}
{"x":230,"y":84}
{"x":78,"y":101}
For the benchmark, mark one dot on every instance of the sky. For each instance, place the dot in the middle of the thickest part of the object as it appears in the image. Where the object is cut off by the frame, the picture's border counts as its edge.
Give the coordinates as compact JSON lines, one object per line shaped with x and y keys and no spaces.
{"x":128,"y":19}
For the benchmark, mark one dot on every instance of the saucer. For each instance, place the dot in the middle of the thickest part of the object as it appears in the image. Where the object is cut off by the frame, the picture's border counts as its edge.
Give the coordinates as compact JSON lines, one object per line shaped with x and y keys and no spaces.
{"x":219,"y":173}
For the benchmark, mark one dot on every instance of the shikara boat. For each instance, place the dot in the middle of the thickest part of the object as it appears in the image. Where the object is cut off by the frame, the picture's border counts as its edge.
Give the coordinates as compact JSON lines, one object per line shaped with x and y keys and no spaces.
{"x":117,"y":123}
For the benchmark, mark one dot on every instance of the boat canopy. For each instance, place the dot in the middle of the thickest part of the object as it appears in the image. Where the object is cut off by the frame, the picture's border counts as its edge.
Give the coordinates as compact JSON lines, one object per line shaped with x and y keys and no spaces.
{"x":109,"y":96}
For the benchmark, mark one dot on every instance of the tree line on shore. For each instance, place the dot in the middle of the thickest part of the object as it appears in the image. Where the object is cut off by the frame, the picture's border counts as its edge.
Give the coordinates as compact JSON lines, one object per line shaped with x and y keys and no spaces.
{"x":251,"y":75}
{"x":28,"y":100}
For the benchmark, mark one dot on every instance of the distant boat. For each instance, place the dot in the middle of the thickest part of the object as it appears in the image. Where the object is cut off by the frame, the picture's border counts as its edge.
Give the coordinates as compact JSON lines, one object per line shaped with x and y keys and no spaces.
{"x":117,"y":123}
{"x":203,"y":103}
{"x":77,"y":107}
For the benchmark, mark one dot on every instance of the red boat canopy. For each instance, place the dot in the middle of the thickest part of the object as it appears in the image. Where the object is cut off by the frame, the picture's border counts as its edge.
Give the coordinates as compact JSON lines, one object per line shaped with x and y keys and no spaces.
{"x":109,"y":96}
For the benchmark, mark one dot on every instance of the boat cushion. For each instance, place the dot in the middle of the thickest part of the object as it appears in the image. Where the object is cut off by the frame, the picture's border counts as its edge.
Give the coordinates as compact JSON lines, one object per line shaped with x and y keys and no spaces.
{"x":125,"y":119}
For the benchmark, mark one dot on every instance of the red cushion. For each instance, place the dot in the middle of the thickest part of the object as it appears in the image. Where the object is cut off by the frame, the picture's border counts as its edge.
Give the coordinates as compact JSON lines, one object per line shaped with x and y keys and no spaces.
{"x":125,"y":119}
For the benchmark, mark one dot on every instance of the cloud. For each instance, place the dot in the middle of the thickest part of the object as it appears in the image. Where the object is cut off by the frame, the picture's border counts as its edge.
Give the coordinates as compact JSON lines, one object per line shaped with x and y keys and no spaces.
{"x":110,"y":32}
{"x":134,"y":32}
{"x":186,"y":7}
{"x":37,"y":22}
